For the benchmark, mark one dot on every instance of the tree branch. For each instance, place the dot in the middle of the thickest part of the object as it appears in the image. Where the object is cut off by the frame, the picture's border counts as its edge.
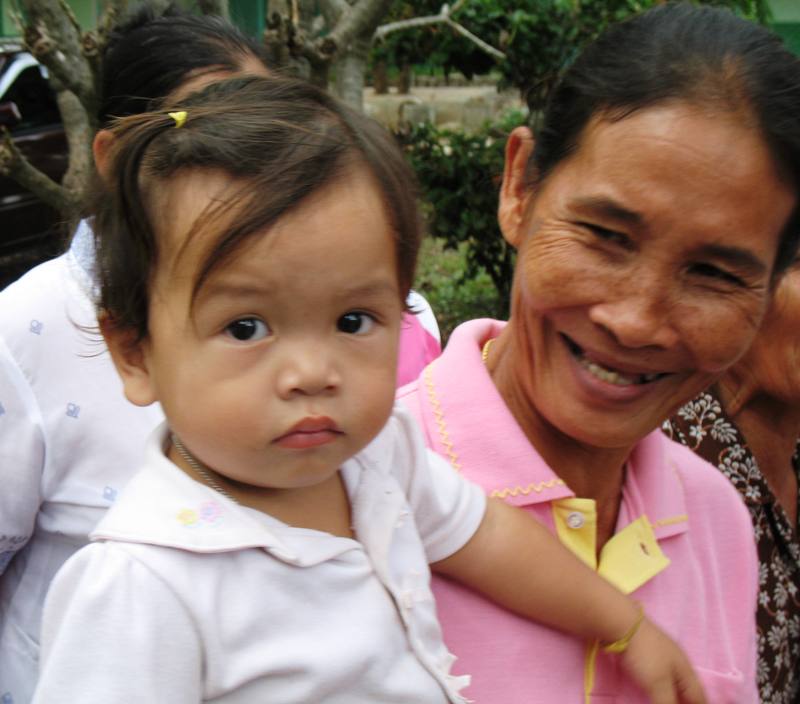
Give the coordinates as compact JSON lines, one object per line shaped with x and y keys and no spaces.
{"x":488,"y":48}
{"x":444,"y":17}
{"x":14,"y":165}
{"x":356,"y":20}
{"x":54,"y":39}
{"x":334,"y":9}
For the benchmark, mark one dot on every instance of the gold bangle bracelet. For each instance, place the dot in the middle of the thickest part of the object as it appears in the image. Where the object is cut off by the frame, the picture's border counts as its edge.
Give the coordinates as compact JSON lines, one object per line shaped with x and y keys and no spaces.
{"x":621,"y":645}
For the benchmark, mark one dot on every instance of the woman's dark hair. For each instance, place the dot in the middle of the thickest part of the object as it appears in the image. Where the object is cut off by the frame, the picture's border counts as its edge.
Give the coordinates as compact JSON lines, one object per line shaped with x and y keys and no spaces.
{"x":279,"y":139}
{"x":700,"y":54}
{"x":150,"y":54}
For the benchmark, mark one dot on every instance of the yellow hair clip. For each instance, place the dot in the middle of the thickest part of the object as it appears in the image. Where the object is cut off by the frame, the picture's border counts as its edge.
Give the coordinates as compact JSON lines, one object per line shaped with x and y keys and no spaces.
{"x":179,"y":117}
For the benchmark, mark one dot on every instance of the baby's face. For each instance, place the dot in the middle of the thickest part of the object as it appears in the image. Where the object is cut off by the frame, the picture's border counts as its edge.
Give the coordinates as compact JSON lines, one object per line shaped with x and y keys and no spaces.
{"x":285,"y":365}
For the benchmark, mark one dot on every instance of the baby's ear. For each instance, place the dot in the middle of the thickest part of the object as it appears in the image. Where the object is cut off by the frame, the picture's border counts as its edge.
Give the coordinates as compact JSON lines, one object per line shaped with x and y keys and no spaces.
{"x":130,"y":355}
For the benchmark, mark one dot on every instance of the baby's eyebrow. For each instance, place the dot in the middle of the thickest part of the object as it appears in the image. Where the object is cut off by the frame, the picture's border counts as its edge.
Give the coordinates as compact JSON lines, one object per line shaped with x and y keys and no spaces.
{"x":229,"y":289}
{"x":371,"y":288}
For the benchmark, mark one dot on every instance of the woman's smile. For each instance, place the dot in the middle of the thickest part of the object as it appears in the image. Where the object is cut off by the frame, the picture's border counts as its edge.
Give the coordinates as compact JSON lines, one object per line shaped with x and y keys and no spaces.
{"x":609,"y":380}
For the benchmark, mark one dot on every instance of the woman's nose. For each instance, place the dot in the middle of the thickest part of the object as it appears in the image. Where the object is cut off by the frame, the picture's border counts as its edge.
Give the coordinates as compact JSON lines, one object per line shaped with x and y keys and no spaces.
{"x":640,"y":319}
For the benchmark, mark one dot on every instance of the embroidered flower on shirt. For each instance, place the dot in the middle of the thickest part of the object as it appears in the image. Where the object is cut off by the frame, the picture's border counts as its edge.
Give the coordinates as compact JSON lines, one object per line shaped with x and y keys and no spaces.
{"x":36,"y":329}
{"x":208,"y":513}
{"x":109,"y":493}
{"x":73,"y":410}
{"x":7,"y":698}
{"x":187,"y":516}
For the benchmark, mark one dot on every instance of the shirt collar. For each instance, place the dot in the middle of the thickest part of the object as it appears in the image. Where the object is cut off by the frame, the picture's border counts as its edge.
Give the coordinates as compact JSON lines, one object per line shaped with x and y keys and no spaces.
{"x":471,"y":425}
{"x":163,"y":506}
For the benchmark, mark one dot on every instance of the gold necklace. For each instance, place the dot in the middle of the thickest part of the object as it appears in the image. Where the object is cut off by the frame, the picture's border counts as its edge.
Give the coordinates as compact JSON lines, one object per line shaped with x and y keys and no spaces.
{"x":485,"y":350}
{"x":203,"y":471}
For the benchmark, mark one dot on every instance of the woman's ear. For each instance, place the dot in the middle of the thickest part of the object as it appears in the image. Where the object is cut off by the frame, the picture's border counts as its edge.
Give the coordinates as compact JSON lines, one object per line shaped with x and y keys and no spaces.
{"x":101,"y":146}
{"x":130,"y":357}
{"x":515,"y":192}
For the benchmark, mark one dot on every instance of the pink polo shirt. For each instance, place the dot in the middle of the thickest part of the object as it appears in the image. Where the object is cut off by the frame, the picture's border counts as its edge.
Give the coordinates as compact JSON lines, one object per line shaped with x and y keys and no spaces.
{"x":683,"y":547}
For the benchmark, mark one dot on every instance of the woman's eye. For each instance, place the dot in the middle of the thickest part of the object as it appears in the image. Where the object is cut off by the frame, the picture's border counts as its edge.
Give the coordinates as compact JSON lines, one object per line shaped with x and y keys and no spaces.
{"x":355,"y":323}
{"x":247,"y":329}
{"x":714,"y":272}
{"x":609,"y":235}
{"x":606,"y":235}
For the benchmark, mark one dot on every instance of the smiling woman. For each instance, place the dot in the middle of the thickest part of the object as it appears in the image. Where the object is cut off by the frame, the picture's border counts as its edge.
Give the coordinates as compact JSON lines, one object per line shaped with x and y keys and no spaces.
{"x":652,"y":216}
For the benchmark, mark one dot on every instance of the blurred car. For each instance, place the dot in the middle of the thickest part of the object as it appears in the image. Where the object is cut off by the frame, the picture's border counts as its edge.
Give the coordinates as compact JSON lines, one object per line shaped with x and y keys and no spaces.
{"x":30,"y":231}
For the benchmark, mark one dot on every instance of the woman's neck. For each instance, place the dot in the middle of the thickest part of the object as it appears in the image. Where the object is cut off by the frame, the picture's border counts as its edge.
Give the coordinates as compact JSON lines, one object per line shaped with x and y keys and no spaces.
{"x":770,"y":428}
{"x":590,"y":472}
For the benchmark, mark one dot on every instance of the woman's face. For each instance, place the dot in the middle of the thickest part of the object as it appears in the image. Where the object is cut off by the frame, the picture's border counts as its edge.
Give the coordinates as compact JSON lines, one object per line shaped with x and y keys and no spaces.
{"x":644,"y":267}
{"x":773,"y":362}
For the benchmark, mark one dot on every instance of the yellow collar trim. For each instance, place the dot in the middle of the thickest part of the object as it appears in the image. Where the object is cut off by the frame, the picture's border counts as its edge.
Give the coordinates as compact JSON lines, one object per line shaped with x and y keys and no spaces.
{"x":631,"y":558}
{"x":537,"y":487}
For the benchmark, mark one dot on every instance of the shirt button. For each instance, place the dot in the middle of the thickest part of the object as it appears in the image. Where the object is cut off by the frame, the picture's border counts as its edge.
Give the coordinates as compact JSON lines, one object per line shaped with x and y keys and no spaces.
{"x":575,"y":520}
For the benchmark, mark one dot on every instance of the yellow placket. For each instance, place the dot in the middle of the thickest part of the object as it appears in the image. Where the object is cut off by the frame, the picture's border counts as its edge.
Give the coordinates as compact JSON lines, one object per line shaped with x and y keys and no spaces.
{"x":628,"y":560}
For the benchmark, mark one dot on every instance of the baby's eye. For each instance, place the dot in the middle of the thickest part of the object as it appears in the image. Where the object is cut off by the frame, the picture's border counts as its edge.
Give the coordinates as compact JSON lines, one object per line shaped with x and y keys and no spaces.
{"x":355,"y":323}
{"x":247,"y":329}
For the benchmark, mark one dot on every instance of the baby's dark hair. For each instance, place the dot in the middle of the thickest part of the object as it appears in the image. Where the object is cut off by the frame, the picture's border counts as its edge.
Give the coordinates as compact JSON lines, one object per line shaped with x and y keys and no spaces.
{"x":280,"y":139}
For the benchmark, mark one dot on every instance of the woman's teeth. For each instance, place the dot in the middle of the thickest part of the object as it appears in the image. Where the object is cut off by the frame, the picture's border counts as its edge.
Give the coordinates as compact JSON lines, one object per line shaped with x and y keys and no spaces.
{"x":612,"y":377}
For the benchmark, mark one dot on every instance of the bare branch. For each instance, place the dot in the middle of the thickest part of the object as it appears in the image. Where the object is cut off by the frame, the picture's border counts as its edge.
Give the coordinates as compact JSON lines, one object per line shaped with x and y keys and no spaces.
{"x":53,"y":37}
{"x":334,"y":9}
{"x":488,"y":48}
{"x":70,"y":16}
{"x":79,"y":132}
{"x":442,"y":18}
{"x":390,"y":27}
{"x":356,"y":20}
{"x":14,"y":165}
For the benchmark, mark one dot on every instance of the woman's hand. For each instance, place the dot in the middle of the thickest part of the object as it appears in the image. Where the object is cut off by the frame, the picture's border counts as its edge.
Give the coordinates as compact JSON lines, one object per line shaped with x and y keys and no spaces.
{"x":657,"y":664}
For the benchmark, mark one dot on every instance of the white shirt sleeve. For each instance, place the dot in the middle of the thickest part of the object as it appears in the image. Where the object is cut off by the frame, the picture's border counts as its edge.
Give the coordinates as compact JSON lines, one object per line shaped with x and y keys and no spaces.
{"x":419,"y":306}
{"x":447,"y":508}
{"x":21,"y":458}
{"x":114,"y":631}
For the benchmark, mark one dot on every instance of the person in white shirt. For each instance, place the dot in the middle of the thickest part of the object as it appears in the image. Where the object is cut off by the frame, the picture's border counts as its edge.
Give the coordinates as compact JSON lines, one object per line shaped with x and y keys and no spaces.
{"x":256,"y":244}
{"x":69,"y":440}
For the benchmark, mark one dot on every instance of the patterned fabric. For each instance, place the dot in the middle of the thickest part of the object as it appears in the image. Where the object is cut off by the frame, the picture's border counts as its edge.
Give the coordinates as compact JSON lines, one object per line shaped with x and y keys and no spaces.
{"x":703,"y":426}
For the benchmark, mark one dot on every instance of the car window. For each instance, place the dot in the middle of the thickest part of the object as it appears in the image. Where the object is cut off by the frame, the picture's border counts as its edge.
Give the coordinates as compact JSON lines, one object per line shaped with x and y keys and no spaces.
{"x":34,"y":98}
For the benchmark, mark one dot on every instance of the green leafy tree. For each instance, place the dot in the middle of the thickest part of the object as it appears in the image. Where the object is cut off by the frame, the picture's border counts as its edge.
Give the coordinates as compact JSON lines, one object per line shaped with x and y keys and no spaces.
{"x":460,"y":174}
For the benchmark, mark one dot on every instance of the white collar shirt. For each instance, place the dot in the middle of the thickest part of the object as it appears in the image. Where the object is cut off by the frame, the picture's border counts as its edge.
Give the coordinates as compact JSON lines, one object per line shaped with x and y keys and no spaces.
{"x":69,"y":442}
{"x":190,"y":597}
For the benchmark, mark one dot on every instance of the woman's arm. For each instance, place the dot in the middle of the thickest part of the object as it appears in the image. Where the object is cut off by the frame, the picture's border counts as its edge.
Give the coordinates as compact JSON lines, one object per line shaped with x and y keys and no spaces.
{"x":516,"y":562}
